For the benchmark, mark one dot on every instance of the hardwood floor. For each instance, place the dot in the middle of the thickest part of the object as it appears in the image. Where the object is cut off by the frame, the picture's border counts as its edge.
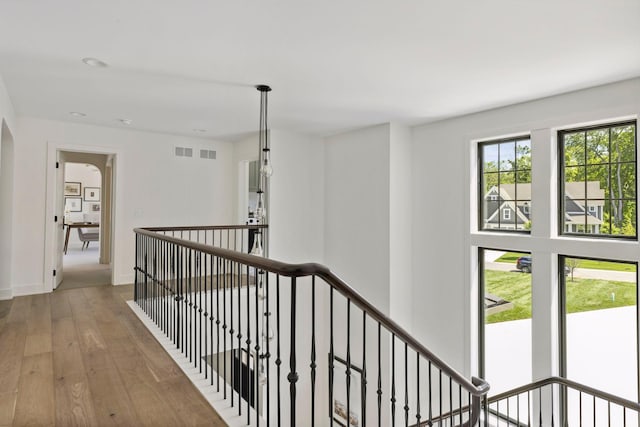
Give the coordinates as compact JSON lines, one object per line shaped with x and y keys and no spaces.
{"x":81,"y":357}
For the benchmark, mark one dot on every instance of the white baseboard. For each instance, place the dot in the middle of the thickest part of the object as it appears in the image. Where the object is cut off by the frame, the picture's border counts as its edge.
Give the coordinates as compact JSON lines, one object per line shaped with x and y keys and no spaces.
{"x":19,"y":291}
{"x":6,"y":294}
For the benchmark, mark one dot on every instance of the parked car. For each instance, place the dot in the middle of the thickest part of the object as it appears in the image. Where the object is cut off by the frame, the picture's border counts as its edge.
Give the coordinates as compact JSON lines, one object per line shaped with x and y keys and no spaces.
{"x":524,"y":264}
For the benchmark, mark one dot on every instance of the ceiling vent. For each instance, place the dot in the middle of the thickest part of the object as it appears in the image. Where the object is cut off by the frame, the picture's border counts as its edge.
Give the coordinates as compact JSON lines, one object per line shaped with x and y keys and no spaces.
{"x":208,"y":154}
{"x":184,"y":152}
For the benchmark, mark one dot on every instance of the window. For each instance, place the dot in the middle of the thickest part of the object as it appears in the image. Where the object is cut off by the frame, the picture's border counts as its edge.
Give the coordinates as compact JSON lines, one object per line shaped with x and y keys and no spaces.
{"x":505,"y":323}
{"x":505,"y":184}
{"x":599,"y":319}
{"x":598,"y":176}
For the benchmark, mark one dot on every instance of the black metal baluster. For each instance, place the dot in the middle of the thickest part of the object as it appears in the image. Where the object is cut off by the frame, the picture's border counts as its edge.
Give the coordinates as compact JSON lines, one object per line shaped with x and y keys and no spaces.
{"x":580,"y":406}
{"x":594,"y":410}
{"x":331,"y":357}
{"x":248,"y":341}
{"x":418,"y":417}
{"x":199,"y":311}
{"x":224,"y":328}
{"x":268,"y":353}
{"x":460,"y":409}
{"x":440,"y":393}
{"x":528,"y":408}
{"x":313,"y":351}
{"x":451,"y":400}
{"x":540,"y":405}
{"x":393,"y":380}
{"x":136,"y":282}
{"x":258,"y":294}
{"x":278,"y":359}
{"x":348,"y":370}
{"x":552,"y":408}
{"x":208,"y":312}
{"x":293,"y":375}
{"x":363,"y":383}
{"x":231,"y":337}
{"x":239,"y":336}
{"x":218,"y":269}
{"x":379,"y":391}
{"x":191,"y":298}
{"x":406,"y":386}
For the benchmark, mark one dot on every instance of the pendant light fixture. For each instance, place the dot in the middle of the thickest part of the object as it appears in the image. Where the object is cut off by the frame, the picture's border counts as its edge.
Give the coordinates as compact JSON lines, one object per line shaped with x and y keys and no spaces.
{"x":266,"y":170}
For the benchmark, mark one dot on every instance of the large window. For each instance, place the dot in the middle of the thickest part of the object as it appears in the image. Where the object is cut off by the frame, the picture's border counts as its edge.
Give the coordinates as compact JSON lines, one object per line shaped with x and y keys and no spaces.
{"x":598,"y":175}
{"x":505,"y":184}
{"x":599,"y":322}
{"x":505,"y":324}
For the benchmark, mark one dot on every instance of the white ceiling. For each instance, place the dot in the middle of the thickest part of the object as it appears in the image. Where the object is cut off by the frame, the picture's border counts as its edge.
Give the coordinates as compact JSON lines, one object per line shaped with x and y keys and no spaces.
{"x":333,"y":65}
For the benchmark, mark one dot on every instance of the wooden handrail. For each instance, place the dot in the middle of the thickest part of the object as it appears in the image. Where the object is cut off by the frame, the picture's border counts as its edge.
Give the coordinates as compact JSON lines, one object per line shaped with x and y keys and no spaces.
{"x":476,"y":387}
{"x":568,"y":383}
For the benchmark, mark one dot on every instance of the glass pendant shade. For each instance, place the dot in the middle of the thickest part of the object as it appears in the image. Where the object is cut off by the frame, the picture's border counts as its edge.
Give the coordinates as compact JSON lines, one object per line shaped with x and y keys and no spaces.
{"x":266,"y":169}
{"x":257,"y":245}
{"x":261,"y":211}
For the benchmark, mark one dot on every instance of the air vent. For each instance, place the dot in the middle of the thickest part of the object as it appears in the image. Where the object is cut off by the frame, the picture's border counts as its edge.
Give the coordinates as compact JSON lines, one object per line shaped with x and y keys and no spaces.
{"x":208,"y":154}
{"x":184,"y":152}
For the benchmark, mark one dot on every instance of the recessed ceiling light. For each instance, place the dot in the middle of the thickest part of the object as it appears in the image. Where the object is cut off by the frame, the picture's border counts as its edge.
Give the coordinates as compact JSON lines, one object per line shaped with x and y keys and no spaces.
{"x":94,"y":62}
{"x":125,"y":121}
{"x":77,"y":114}
{"x":200,"y":130}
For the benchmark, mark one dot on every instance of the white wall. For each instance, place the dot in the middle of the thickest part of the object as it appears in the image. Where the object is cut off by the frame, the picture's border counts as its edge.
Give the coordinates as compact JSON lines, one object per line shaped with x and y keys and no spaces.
{"x":296,"y":198}
{"x":7,"y":113}
{"x":357,"y":211}
{"x":6,"y":209}
{"x":444,"y":219}
{"x":400,"y":226}
{"x":152,"y":188}
{"x":7,"y":143}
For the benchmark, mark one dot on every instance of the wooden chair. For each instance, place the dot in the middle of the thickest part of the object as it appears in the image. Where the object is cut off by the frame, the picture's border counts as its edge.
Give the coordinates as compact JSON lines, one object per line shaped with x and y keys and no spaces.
{"x":87,"y":237}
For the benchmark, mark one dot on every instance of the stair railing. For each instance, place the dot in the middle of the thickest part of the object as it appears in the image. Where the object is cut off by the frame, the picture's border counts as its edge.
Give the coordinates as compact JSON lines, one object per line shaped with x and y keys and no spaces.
{"x":291,"y":344}
{"x":557,"y":401}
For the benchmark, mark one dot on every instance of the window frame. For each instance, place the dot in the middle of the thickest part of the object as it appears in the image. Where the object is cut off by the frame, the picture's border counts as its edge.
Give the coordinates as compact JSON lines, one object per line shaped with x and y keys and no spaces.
{"x":562,"y":313}
{"x":480,"y":181}
{"x":561,"y":180}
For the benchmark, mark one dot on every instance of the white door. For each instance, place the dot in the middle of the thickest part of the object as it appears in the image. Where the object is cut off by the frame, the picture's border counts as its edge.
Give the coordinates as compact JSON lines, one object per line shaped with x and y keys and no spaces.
{"x":60,"y":229}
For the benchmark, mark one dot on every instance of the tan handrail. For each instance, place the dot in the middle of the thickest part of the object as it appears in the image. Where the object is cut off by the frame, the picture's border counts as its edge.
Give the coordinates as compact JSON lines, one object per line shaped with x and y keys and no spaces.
{"x":476,"y":387}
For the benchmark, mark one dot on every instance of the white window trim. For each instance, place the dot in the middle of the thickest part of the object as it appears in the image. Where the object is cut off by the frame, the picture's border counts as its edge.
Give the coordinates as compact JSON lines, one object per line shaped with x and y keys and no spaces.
{"x":506,"y":214}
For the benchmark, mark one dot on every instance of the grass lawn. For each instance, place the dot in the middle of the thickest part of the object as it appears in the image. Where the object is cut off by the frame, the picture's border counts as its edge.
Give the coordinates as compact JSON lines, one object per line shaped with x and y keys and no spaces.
{"x":511,"y":257}
{"x":582,"y":294}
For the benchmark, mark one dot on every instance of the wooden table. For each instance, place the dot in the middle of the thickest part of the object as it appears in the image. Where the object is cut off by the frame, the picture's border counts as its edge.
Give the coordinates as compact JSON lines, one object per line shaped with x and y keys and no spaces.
{"x":77,"y":225}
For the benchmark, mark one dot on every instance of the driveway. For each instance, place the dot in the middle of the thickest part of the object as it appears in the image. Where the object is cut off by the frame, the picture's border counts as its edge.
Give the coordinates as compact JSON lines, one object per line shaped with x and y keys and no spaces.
{"x":583,"y":273}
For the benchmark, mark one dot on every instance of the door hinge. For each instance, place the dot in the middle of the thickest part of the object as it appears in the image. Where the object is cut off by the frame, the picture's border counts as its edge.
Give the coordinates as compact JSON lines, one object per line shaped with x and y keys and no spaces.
{"x":57,"y":165}
{"x":54,"y":273}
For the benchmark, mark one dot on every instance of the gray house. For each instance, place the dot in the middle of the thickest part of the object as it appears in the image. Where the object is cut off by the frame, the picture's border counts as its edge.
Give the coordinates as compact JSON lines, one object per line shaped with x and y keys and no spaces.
{"x":508,"y":207}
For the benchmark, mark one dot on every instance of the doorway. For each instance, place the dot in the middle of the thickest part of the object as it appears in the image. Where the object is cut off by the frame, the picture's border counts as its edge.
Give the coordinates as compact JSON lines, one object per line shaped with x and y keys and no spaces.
{"x":6,"y":207}
{"x":83,"y":204}
{"x":82,"y":192}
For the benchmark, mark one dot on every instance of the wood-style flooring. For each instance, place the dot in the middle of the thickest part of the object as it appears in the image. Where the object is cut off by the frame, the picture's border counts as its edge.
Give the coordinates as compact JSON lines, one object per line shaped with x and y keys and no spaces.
{"x":81,"y":357}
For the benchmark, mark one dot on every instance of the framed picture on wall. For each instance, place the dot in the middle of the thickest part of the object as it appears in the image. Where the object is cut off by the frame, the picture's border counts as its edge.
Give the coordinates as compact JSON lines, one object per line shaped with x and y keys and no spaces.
{"x":91,"y":194}
{"x":95,"y":207}
{"x":72,"y":188}
{"x":339,"y":407}
{"x":73,"y":204}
